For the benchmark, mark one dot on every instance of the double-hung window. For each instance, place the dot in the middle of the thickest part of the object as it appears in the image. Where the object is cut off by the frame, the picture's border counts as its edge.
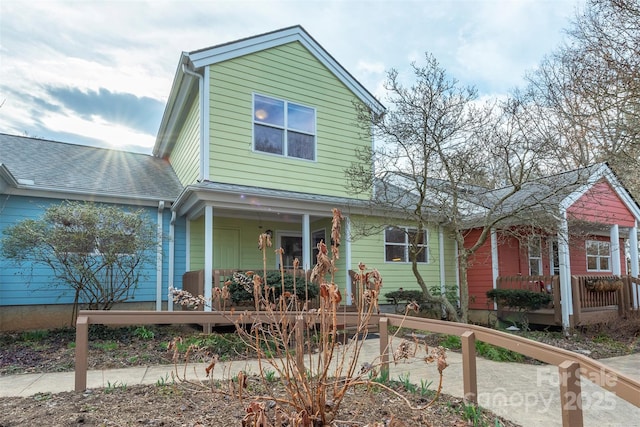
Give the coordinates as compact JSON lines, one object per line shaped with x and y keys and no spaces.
{"x":535,"y":256}
{"x":598,"y":255}
{"x":283,"y":128}
{"x":398,"y":244}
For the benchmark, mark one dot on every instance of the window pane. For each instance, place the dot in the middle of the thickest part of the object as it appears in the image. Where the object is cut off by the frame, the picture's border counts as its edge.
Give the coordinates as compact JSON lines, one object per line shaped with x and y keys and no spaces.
{"x":534,"y":267}
{"x":394,"y":253}
{"x":534,"y":247}
{"x":421,"y":254}
{"x":300,"y":145}
{"x":592,"y":263}
{"x":604,"y":263}
{"x":592,"y":247}
{"x":394,"y":235}
{"x":268,"y":139}
{"x":301,"y":118}
{"x":413,"y":234}
{"x":603,"y":248}
{"x":267,"y":110}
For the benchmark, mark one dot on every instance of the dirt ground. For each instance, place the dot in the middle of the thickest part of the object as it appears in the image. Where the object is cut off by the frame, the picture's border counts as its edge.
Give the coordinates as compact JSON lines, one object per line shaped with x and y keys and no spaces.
{"x":181,"y":404}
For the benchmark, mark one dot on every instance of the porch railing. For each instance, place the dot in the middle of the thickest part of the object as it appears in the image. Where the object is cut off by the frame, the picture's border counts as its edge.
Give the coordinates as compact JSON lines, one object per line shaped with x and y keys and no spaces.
{"x":589,"y":305}
{"x":546,"y":284}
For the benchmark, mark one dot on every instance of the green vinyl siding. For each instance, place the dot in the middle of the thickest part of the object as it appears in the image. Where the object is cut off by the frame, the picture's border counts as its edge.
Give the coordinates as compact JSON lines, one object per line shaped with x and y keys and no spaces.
{"x":291,"y":73}
{"x":370,"y":250}
{"x":185,"y":156}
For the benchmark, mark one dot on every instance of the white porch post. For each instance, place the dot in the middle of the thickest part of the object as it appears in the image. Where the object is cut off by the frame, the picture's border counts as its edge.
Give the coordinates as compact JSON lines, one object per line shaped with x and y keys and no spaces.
{"x":172,"y":260}
{"x":566,"y":299}
{"x":495,"y":266}
{"x":306,"y":243}
{"x":159,"y":248}
{"x":347,"y":257}
{"x":633,"y":253}
{"x":208,"y":256}
{"x":615,"y":250}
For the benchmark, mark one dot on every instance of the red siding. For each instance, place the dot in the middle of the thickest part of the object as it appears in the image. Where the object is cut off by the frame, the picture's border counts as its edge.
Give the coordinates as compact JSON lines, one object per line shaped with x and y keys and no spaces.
{"x":602,"y":205}
{"x":479,"y":273}
{"x":510,"y":258}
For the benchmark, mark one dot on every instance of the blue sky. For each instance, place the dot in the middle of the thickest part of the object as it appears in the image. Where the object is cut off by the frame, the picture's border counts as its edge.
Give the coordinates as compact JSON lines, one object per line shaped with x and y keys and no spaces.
{"x":99,"y":72}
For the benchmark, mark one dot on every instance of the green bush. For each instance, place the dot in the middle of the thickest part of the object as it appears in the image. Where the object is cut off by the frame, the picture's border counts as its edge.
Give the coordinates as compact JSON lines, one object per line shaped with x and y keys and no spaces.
{"x":521,"y":299}
{"x":405,"y":296}
{"x":274,"y":279}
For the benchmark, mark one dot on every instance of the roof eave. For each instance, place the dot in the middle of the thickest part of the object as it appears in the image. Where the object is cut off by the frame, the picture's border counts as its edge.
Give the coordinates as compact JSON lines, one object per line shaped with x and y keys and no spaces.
{"x":178,"y":97}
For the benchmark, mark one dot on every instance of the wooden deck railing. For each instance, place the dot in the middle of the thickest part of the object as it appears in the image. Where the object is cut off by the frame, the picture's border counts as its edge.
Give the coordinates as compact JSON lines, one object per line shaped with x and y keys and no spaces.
{"x":547,"y":284}
{"x":570,"y":365}
{"x":589,"y":306}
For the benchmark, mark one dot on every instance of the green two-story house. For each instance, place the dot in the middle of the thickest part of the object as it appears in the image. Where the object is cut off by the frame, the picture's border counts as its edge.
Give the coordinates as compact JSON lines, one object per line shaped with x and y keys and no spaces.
{"x":260,"y":132}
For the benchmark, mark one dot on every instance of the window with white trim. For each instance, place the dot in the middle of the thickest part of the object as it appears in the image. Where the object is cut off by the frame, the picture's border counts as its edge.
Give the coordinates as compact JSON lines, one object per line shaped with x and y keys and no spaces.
{"x":535,"y":256}
{"x":598,"y":255}
{"x":397,"y":244}
{"x":283,"y":128}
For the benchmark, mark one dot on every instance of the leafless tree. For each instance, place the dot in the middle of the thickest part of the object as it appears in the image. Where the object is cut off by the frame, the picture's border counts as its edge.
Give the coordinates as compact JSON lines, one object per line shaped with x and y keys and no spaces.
{"x":443,"y":159}
{"x":589,"y":89}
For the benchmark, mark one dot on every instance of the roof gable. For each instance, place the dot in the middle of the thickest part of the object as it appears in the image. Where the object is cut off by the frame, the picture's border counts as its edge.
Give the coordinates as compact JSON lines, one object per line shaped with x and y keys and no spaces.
{"x":184,"y":84}
{"x":212,"y":55}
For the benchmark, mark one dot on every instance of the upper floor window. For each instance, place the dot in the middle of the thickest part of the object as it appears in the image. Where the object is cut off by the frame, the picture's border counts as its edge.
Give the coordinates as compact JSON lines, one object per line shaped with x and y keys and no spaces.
{"x":284,"y":128}
{"x":535,"y":256}
{"x":398,"y":244}
{"x":598,"y":255}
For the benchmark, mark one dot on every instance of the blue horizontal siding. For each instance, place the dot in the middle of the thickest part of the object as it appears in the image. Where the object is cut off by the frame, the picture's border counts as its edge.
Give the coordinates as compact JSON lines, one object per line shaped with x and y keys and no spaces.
{"x":32,"y":284}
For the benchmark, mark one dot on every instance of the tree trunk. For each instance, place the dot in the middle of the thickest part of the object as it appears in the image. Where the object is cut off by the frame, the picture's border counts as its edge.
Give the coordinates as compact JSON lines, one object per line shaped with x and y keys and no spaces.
{"x":451,"y":311}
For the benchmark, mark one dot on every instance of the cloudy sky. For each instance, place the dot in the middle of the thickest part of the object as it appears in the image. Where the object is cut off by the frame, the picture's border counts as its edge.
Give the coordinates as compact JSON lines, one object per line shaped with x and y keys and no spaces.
{"x":99,"y":72}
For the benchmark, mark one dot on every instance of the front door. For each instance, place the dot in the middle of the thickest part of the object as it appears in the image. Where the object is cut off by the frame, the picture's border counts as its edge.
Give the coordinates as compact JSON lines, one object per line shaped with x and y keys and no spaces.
{"x":291,"y":243}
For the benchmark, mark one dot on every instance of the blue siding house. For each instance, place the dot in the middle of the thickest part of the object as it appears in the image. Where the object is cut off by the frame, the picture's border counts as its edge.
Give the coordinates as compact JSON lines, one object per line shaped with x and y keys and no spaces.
{"x":35,"y":174}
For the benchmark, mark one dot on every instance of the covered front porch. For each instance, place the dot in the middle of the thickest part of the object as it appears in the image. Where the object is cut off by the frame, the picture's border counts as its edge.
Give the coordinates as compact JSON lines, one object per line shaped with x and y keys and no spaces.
{"x":594,"y":299}
{"x":224,"y":223}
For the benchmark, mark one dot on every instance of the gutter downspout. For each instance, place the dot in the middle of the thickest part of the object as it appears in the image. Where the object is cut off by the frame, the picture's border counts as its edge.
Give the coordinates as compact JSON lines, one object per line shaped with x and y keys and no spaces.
{"x":443,"y":283}
{"x":159,"y":257}
{"x":203,"y":174}
{"x":172,"y":234}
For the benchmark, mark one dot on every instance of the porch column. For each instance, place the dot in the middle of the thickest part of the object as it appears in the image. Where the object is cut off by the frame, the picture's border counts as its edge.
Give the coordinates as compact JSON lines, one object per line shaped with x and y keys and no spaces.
{"x":566,"y":300}
{"x":208,"y":256}
{"x":615,"y":250}
{"x":443,"y":282}
{"x":306,"y":243}
{"x":633,"y":253}
{"x":347,"y":258}
{"x":495,"y":266}
{"x":172,"y":260}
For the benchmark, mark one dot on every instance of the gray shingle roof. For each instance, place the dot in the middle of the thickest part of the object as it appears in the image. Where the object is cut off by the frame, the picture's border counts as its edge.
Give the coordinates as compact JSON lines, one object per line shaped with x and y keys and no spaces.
{"x":58,"y":166}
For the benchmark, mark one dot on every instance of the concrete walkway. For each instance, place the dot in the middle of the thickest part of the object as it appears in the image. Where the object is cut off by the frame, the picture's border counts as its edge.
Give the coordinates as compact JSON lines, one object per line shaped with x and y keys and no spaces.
{"x":526,"y":394}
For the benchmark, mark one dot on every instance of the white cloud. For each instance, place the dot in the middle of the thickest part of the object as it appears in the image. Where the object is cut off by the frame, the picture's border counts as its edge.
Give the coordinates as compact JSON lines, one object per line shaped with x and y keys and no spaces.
{"x":133,"y":47}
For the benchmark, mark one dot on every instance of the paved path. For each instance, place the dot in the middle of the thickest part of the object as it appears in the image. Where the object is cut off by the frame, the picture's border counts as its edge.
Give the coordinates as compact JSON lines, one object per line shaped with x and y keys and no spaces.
{"x":526,"y":394}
